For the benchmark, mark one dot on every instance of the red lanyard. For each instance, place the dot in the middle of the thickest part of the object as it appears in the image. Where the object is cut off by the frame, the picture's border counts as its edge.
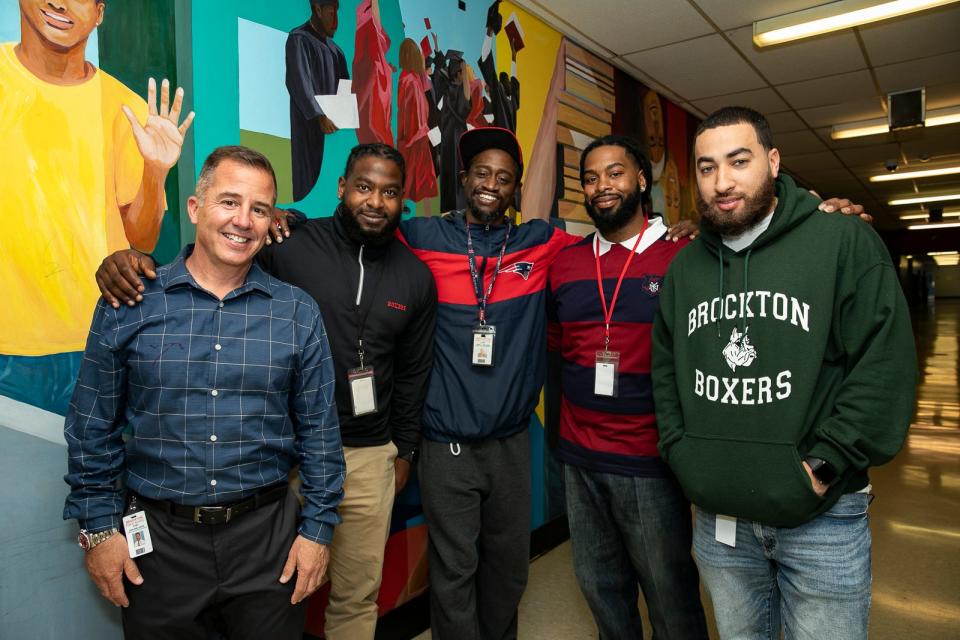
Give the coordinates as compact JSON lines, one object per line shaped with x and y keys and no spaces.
{"x":608,"y":313}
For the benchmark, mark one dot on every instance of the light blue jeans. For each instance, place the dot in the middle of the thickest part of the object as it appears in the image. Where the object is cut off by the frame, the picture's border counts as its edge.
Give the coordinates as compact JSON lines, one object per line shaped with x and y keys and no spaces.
{"x":814,"y":579}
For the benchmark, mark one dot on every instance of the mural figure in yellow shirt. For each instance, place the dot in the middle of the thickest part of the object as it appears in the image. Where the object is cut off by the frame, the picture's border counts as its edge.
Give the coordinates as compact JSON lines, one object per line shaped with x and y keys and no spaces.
{"x":82,"y":175}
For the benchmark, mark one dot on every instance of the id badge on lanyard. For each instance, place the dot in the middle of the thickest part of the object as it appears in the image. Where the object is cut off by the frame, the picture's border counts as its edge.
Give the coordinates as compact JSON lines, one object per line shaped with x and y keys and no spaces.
{"x":483,"y":337}
{"x":137,"y":531}
{"x":606,"y":378}
{"x":363,"y":390}
{"x":484,"y":334}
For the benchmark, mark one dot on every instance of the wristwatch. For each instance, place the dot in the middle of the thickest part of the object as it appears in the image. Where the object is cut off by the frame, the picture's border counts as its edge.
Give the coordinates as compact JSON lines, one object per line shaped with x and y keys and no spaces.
{"x":88,"y":540}
{"x":822,"y":470}
{"x":411,"y":456}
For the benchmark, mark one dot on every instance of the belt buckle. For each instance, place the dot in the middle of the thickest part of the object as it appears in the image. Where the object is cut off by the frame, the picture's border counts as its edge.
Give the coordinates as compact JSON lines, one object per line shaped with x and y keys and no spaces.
{"x":198,"y":511}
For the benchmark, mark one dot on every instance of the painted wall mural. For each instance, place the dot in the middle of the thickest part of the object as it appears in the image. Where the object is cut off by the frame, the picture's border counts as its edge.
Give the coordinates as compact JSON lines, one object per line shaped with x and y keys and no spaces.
{"x":302,"y":84}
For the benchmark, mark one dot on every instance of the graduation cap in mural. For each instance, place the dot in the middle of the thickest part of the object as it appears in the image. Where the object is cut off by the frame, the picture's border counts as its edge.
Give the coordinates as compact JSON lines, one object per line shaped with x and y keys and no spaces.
{"x":494,"y":19}
{"x":454,"y":60}
{"x":514,"y":32}
{"x":425,"y":47}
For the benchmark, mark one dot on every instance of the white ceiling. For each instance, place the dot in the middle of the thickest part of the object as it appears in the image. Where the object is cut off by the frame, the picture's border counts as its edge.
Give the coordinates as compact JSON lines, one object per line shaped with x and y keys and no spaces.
{"x":699,"y":53}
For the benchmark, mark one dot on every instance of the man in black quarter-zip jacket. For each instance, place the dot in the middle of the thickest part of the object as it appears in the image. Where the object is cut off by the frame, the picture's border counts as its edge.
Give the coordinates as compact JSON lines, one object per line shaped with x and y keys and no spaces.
{"x":379,"y":307}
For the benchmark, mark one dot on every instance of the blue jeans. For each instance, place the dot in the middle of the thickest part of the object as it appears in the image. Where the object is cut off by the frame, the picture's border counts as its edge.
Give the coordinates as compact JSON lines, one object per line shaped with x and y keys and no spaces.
{"x":814,"y":579}
{"x":629,"y":532}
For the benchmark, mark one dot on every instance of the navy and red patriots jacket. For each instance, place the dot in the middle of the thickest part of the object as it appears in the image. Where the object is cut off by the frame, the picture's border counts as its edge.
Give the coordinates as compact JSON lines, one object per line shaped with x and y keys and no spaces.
{"x":600,"y":433}
{"x":466,"y":403}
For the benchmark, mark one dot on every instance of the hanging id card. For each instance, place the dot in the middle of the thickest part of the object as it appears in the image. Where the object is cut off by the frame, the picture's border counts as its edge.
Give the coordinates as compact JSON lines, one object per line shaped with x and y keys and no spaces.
{"x":363,"y":390}
{"x":605,"y":380}
{"x":483,"y":336}
{"x":138,"y":534}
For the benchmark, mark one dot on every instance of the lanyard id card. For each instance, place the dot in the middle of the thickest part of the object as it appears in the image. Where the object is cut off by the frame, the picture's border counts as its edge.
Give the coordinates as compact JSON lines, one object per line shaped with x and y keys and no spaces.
{"x":606,"y":376}
{"x":137,"y":531}
{"x":363,"y":390}
{"x":483,"y":336}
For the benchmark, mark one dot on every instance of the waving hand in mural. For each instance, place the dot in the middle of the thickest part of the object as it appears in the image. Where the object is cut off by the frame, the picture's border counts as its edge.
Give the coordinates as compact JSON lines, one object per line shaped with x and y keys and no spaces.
{"x":160,"y":140}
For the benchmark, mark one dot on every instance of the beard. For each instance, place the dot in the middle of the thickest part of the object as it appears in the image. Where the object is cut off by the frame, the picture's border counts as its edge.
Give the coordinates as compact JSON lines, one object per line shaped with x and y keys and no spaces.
{"x":756,"y":207}
{"x":611,"y":221}
{"x":365,"y":236}
{"x":485,"y":217}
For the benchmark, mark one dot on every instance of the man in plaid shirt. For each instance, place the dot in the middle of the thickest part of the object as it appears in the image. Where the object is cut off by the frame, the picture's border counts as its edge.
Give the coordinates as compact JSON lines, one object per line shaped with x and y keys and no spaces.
{"x":223,"y":382}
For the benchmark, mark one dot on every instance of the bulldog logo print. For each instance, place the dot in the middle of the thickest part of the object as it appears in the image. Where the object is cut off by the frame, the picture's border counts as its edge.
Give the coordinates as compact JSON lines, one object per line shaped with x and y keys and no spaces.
{"x":739,"y":352}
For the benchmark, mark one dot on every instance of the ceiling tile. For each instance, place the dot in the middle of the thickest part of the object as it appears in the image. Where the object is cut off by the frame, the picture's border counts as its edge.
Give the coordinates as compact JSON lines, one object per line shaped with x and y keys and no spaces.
{"x":867,"y":155}
{"x":829,"y":89}
{"x":631,"y":25}
{"x":799,"y":142}
{"x":728,"y":15}
{"x":936,"y":141}
{"x":762,"y":100}
{"x":803,"y":59}
{"x":918,"y":73}
{"x":921,"y":34}
{"x":943,"y":95}
{"x":699,"y":68}
{"x":784,"y":122}
{"x":820,"y":161}
{"x":852,"y":111}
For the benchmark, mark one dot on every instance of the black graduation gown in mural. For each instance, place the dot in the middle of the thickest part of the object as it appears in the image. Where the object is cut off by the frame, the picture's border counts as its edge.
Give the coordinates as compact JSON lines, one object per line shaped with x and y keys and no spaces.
{"x":315,"y":66}
{"x":504,"y":93}
{"x":454,"y":109}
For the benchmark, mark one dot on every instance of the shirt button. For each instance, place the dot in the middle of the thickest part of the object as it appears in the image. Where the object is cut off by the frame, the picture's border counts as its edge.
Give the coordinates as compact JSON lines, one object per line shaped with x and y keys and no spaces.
{"x":213,"y":483}
{"x":214,"y":392}
{"x":220,"y":305}
{"x":217,"y":347}
{"x":213,"y":438}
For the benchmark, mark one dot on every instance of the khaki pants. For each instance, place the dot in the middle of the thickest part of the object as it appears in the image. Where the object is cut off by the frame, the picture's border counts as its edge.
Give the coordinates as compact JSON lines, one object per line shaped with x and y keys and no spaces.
{"x":356,"y":555}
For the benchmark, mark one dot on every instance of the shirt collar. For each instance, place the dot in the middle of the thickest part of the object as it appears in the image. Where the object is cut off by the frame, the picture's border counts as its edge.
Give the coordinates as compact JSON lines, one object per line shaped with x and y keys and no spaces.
{"x":654,"y":231}
{"x":178,"y":274}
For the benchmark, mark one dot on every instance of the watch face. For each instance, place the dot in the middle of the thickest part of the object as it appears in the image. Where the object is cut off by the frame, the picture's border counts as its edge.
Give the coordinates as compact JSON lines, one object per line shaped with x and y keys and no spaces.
{"x":83,"y":540}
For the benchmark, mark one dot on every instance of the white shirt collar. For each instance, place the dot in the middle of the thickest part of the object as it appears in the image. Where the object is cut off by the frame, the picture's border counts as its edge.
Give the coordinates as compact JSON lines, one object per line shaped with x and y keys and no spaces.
{"x":654,"y":231}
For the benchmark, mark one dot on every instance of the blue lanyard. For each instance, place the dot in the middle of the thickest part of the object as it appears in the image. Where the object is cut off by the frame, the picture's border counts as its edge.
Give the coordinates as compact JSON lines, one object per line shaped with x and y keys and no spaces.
{"x":475,"y":275}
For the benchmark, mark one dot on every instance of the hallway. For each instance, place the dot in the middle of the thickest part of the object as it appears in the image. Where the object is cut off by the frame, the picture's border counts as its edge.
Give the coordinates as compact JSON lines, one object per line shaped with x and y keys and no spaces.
{"x":915,"y":519}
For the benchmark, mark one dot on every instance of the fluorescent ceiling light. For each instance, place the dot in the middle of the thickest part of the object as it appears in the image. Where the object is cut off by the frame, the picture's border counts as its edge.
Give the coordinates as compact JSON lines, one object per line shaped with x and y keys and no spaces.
{"x":833,"y":17}
{"x":938,"y":225}
{"x":947,"y":261}
{"x":942,"y":253}
{"x":921,"y":199}
{"x":913,"y":175}
{"x":924,"y":216}
{"x":935,"y":118}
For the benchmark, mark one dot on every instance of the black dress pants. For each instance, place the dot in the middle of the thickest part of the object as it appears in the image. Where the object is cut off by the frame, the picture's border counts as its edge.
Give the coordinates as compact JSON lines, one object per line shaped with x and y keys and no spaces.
{"x":203,"y":580}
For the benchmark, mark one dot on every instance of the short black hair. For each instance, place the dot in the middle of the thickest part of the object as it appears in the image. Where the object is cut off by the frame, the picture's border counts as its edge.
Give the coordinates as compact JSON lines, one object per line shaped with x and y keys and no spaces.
{"x":632,"y":147}
{"x":377,"y":150}
{"x":242,"y":155}
{"x":728,"y":116}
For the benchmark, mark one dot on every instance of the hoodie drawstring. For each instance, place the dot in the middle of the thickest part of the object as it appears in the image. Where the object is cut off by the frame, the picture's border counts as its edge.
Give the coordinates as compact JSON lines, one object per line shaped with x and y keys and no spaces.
{"x":746,"y":287}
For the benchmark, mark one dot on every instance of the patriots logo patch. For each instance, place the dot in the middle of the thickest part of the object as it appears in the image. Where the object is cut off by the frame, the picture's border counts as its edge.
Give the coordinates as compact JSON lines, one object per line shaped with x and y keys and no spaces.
{"x":651,"y":285}
{"x":522,"y":269}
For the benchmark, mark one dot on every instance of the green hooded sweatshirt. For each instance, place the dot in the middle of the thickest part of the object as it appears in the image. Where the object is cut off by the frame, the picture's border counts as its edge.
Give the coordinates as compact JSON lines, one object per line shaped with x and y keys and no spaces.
{"x":799,"y":345}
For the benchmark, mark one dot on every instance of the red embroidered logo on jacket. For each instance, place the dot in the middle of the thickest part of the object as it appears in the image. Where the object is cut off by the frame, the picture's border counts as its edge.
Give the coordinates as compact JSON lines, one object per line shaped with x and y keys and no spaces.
{"x":396,"y":305}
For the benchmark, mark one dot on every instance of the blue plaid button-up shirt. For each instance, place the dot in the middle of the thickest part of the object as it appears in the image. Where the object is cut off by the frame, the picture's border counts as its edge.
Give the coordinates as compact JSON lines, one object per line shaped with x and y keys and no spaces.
{"x":221,"y":398}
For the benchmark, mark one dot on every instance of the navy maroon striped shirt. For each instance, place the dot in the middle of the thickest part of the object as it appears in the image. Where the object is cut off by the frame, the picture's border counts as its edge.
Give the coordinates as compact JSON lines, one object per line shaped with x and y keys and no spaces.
{"x":601,"y":433}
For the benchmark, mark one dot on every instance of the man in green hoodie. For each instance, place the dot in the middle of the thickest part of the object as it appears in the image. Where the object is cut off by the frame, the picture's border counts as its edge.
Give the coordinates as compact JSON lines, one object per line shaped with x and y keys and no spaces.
{"x":784,"y":367}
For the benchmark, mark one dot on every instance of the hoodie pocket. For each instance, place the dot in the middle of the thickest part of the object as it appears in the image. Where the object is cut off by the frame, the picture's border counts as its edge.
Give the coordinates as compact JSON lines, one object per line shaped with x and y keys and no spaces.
{"x":759,"y":481}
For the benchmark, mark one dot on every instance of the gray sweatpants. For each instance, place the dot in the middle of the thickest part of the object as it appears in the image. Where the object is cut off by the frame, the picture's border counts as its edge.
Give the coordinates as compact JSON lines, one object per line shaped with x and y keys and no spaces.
{"x":476,"y":499}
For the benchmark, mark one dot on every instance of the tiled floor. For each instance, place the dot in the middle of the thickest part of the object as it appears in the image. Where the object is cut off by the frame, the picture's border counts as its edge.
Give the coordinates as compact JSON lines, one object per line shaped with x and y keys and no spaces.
{"x":915,"y":519}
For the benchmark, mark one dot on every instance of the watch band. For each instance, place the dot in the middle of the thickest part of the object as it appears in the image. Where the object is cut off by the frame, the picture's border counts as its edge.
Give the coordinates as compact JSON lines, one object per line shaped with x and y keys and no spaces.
{"x":88,"y":541}
{"x":822,"y":470}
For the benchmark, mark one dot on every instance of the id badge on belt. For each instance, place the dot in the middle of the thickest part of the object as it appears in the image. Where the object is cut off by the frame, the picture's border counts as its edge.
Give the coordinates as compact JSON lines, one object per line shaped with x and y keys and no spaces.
{"x":137,"y":531}
{"x":483,"y":336}
{"x":363,"y":390}
{"x":606,"y":376}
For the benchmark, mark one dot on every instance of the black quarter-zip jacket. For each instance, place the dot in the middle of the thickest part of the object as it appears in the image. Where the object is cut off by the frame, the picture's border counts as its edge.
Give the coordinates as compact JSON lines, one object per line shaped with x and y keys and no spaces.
{"x":397,"y":296}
